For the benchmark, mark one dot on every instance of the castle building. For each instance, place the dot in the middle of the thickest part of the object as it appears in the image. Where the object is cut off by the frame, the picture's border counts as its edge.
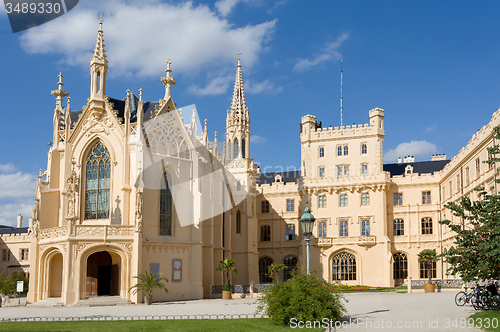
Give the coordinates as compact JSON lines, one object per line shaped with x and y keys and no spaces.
{"x":134,"y":186}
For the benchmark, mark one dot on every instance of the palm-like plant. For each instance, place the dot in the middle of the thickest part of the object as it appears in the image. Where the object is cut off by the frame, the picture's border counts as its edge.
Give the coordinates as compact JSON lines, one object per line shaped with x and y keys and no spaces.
{"x":427,"y":257}
{"x":226,"y":266}
{"x":274,"y":269}
{"x":148,"y":282}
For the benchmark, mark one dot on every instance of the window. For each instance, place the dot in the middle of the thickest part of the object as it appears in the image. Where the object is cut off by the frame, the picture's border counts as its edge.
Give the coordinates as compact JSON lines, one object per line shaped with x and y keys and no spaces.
{"x":364,"y":149}
{"x":467,"y":175}
{"x":236,"y":149}
{"x":344,"y":228}
{"x":290,"y":205}
{"x":400,"y":266}
{"x":265,"y":233}
{"x":346,"y":170}
{"x":243,"y":148}
{"x":364,"y":169}
{"x":339,"y":150}
{"x":399,"y":227}
{"x":165,"y":207}
{"x":343,"y":200}
{"x":344,"y":267}
{"x":398,"y":198}
{"x":23,"y":254}
{"x":339,"y":171}
{"x":97,"y":183}
{"x":365,"y":227}
{"x":238,"y":222}
{"x":5,"y":255}
{"x":322,"y":201}
{"x":264,"y":264}
{"x":478,"y":166}
{"x":426,"y":197}
{"x":426,"y":226}
{"x":321,"y":152}
{"x":458,"y":182}
{"x":290,"y":232}
{"x":265,"y":207}
{"x":365,"y":199}
{"x":346,"y":150}
{"x":321,"y":172}
{"x":290,"y":264}
{"x":451,"y":188}
{"x":322,"y":229}
{"x":423,"y":270}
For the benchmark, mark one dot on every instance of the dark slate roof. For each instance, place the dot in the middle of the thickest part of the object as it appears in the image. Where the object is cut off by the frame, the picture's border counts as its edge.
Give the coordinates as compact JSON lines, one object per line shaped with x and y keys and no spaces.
{"x":289,"y":176}
{"x":420,"y":167}
{"x":119,"y":105}
{"x":12,"y":230}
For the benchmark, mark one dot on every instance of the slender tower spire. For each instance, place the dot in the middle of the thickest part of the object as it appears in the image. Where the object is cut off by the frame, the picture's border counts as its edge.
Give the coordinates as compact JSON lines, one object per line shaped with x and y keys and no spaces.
{"x":58,"y":111}
{"x":98,"y":67}
{"x":238,"y":120}
{"x":341,"y":106}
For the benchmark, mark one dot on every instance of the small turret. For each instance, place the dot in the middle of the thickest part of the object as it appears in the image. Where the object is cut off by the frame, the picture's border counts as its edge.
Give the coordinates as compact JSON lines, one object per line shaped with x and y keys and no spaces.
{"x":98,"y":68}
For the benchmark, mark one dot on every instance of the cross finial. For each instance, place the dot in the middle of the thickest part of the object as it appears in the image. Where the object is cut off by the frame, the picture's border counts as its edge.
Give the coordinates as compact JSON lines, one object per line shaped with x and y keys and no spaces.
{"x":168,"y":71}
{"x":168,"y":80}
{"x":238,"y":54}
{"x":60,"y":83}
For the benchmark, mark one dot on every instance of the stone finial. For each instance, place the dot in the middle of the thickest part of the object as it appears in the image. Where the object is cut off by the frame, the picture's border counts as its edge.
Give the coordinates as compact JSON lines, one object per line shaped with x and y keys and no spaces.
{"x":168,"y":80}
{"x":99,"y":51}
{"x":59,"y":93}
{"x":205,"y":134}
{"x":140,"y":94}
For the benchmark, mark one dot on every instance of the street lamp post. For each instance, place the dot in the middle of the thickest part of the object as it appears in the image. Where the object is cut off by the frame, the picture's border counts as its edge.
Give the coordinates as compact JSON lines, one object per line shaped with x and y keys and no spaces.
{"x":307,"y":223}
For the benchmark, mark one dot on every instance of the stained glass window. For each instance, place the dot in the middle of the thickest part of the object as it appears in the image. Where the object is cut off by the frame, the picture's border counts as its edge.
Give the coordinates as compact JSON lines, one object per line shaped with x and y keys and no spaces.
{"x":98,"y":172}
{"x":165,"y":207}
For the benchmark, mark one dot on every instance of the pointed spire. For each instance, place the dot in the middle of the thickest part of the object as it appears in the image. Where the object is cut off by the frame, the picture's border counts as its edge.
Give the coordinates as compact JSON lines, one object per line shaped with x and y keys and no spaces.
{"x":215,"y":149}
{"x":168,"y":80}
{"x":99,"y":51}
{"x":238,"y":104}
{"x":67,"y":118}
{"x":205,"y":134}
{"x":140,"y":112}
{"x":127,"y":105}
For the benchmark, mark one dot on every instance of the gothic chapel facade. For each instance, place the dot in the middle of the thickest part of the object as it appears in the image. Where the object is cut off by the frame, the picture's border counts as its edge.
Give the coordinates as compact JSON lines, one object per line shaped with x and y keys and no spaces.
{"x":130,"y":188}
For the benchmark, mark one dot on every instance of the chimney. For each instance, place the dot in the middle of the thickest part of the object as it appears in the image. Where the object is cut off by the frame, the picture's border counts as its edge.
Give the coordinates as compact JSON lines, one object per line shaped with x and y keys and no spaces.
{"x":399,"y":160}
{"x":19,"y":221}
{"x":438,"y":157}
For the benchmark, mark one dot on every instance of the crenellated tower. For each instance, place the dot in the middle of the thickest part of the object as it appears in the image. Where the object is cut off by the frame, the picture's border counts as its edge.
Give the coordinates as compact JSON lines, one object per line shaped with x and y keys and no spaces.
{"x":238,"y":121}
{"x":98,"y":70}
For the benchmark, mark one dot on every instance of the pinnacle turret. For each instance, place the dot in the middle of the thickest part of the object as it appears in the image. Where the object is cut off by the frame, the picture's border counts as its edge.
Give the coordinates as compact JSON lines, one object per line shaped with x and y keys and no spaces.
{"x":99,"y":51}
{"x":238,"y":104}
{"x":98,"y":68}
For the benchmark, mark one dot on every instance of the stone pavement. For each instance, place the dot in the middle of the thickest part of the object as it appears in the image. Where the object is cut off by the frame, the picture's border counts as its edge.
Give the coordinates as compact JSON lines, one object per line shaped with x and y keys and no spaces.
{"x":371,"y":311}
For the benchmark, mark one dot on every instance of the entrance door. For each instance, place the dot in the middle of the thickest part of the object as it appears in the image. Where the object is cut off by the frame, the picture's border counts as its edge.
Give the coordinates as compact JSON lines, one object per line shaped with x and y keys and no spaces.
{"x":99,"y":274}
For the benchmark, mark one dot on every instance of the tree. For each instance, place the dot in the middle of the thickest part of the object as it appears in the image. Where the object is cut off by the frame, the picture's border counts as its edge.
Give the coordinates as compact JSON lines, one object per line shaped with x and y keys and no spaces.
{"x":6,"y":284}
{"x":148,"y":282}
{"x":427,"y":257}
{"x":274,"y":269}
{"x":476,"y":255}
{"x":303,"y":297}
{"x":226,"y":266}
{"x":19,"y":276}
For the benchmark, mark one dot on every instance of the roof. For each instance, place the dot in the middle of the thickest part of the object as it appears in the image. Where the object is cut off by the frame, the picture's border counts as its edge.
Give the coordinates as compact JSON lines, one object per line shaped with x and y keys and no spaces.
{"x":421,"y":167}
{"x":12,"y":230}
{"x":289,"y":176}
{"x":119,"y":105}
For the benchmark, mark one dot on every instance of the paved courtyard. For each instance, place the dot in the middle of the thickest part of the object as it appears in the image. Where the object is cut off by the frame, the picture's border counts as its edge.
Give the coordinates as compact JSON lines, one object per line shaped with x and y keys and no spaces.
{"x":367,"y":311}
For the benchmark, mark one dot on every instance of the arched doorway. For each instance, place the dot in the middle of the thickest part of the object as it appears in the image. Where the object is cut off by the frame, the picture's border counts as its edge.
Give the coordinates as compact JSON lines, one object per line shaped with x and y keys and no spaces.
{"x":103,"y":271}
{"x":56,"y":273}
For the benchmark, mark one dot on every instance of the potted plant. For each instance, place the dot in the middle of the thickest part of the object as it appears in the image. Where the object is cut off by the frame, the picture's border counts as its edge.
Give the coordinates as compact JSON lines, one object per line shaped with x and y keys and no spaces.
{"x":147,"y":282}
{"x":427,"y":257}
{"x":226,"y":266}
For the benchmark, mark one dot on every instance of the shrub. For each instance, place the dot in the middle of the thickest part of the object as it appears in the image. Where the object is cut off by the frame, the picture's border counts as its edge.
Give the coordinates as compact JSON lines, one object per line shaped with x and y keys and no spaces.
{"x":303,"y":297}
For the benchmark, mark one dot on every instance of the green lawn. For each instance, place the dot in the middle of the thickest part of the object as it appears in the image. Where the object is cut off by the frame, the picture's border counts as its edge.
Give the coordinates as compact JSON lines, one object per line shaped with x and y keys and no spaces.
{"x":490,"y":316}
{"x":250,"y":324}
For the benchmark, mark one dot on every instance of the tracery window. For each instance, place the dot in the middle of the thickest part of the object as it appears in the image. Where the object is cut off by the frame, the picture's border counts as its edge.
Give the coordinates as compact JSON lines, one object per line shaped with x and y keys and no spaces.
{"x":97,"y":182}
{"x":236,"y":149}
{"x":400,"y":265}
{"x":165,"y":207}
{"x":344,"y":267}
{"x":243,"y":144}
{"x":290,"y":265}
{"x":264,"y":264}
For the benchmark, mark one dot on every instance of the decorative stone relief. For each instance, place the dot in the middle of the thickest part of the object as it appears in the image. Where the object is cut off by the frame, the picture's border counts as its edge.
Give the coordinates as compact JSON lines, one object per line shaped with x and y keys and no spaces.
{"x":166,"y":135}
{"x":138,"y":212}
{"x":90,"y":230}
{"x":71,"y":192}
{"x":49,"y":233}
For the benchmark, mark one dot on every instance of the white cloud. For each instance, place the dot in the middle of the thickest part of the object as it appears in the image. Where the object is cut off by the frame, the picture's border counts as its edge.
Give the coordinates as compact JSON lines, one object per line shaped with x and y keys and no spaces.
{"x":330,"y":53}
{"x":17,"y":185}
{"x":264,"y":86}
{"x":413,"y":148}
{"x":9,"y":213}
{"x":430,"y":127}
{"x":257,"y":139}
{"x":224,"y":7}
{"x":216,"y":86}
{"x":140,"y":36}
{"x":7,"y":168}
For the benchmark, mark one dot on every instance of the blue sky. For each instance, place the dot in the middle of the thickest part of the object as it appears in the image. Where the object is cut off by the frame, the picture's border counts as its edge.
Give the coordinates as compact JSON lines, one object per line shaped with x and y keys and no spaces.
{"x":431,"y":65}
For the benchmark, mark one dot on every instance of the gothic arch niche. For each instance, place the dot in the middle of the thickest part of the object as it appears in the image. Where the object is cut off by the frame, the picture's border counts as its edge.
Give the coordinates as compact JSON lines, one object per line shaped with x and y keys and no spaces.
{"x":56,"y":275}
{"x":96,"y":182}
{"x":102,"y":274}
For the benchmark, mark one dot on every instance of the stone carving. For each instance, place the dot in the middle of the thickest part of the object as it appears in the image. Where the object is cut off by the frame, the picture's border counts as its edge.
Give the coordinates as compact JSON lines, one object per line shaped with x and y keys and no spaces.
{"x":80,"y":246}
{"x":90,"y":230}
{"x":166,"y":135}
{"x":119,"y":230}
{"x":71,"y":192}
{"x":35,"y":213}
{"x":33,"y":230}
{"x":49,"y":233}
{"x":165,"y":248}
{"x":138,"y":212}
{"x":235,"y":164}
{"x":127,"y":246}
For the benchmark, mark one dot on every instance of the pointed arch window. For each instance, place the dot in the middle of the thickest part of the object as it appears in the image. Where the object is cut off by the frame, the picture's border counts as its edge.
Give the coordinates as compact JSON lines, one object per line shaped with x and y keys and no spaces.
{"x":236,"y":149}
{"x":97,"y":182}
{"x":400,"y":266}
{"x":290,"y":264}
{"x":264,"y":264}
{"x":165,"y":207}
{"x":243,"y":145}
{"x":238,"y":222}
{"x":344,"y":266}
